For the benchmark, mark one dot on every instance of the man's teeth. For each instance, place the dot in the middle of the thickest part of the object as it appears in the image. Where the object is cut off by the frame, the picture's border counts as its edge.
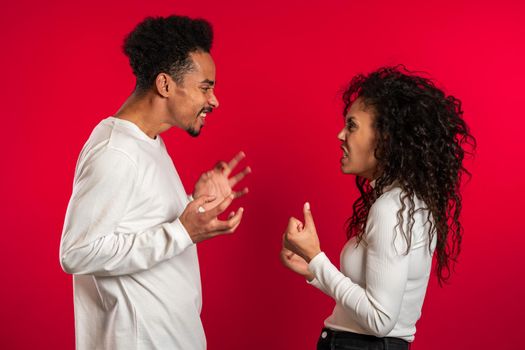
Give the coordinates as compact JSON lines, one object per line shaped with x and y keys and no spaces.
{"x":203,"y":115}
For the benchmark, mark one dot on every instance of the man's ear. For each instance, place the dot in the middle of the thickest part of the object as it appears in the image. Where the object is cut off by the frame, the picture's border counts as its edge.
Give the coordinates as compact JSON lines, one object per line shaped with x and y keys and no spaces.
{"x":164,"y":84}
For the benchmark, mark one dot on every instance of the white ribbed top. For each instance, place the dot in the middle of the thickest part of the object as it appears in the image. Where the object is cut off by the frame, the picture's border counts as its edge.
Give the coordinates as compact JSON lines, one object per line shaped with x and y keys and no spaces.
{"x":379,"y":290}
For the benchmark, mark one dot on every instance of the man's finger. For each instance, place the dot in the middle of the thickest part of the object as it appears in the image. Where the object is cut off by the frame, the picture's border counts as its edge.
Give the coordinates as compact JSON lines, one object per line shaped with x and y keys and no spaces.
{"x":233,"y":163}
{"x":235,"y":179}
{"x":308,"y":218}
{"x":201,"y":200}
{"x":241,"y":193}
{"x":229,"y":225}
{"x":221,"y":207}
{"x":221,"y":166}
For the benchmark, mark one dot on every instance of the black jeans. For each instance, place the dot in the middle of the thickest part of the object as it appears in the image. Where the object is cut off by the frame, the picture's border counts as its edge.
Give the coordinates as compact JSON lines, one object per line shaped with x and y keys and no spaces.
{"x":337,"y":340}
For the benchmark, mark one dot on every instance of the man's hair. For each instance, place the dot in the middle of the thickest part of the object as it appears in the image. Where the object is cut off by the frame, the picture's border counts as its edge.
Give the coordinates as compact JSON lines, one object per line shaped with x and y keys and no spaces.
{"x":163,"y":45}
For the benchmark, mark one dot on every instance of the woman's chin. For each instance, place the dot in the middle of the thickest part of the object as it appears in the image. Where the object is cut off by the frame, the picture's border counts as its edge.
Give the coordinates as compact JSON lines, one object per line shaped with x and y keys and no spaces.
{"x":345,"y":170}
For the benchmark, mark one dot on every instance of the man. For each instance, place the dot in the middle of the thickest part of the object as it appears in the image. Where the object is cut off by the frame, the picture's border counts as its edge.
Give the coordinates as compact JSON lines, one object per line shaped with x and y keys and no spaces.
{"x":130,"y":229}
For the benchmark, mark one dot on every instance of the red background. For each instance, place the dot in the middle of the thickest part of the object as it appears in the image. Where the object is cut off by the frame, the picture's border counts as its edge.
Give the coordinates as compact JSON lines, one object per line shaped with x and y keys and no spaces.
{"x":280,"y":65}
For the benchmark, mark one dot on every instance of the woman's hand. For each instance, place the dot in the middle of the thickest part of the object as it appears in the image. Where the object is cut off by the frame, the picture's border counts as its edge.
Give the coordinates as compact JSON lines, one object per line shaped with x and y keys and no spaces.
{"x":295,"y":263}
{"x":300,"y":240}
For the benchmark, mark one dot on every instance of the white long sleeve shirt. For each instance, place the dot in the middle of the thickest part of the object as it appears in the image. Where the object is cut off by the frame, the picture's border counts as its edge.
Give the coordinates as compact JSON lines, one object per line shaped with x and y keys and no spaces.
{"x":379,"y":290}
{"x":136,"y":272}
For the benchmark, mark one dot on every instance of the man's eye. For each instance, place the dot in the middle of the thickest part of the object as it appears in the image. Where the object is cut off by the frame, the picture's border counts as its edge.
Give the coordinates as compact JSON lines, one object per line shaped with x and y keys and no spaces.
{"x":206,"y":88}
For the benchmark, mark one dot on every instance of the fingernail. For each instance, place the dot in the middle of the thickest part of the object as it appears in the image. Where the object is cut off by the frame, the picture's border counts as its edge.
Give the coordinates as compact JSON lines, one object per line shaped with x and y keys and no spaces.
{"x":307,"y":206}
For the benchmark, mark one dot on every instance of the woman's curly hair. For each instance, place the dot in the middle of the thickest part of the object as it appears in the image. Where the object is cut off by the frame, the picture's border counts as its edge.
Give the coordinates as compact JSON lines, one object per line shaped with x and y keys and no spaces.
{"x":421,"y":139}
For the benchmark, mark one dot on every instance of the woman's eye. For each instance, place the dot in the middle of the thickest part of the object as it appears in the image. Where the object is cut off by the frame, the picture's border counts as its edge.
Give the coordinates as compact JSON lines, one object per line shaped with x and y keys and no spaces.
{"x":350,"y":125}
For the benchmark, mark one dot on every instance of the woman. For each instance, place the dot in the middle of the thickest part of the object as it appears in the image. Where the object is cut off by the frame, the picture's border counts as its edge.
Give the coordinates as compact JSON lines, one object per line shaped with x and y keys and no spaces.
{"x":404,"y":139}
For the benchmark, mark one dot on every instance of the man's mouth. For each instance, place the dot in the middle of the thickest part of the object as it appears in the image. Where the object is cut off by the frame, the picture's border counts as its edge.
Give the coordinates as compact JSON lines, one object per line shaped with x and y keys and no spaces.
{"x":204,"y":112}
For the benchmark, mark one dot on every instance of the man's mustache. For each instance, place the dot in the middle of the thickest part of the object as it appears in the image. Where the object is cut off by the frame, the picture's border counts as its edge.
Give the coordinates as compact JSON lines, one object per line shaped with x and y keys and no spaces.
{"x":206,"y":110}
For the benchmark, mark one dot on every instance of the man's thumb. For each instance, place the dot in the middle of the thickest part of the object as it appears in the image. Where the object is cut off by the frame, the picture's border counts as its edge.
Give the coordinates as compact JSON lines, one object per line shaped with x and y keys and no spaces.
{"x":204,"y":199}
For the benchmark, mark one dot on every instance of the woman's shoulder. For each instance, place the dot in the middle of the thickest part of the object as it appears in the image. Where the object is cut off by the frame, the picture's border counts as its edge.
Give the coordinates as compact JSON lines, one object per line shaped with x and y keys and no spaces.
{"x":393,"y":198}
{"x":390,"y":199}
{"x":383,"y":218}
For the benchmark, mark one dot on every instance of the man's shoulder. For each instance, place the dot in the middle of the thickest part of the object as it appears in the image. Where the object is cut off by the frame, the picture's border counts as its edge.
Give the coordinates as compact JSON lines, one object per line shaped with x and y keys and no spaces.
{"x":108,"y":137}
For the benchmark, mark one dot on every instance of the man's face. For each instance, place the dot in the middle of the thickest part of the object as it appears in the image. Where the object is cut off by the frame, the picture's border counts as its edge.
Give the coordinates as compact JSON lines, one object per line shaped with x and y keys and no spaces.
{"x":194,"y":98}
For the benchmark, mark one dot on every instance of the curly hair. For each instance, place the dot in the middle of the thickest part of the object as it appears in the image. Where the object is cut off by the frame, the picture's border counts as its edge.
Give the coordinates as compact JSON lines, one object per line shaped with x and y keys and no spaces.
{"x":421,"y":146}
{"x":163,"y":44}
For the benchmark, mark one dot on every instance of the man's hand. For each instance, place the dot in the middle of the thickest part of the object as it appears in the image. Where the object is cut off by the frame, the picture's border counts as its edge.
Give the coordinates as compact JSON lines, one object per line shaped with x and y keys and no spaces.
{"x":302,"y":241}
{"x":218,"y":183}
{"x":202,"y":225}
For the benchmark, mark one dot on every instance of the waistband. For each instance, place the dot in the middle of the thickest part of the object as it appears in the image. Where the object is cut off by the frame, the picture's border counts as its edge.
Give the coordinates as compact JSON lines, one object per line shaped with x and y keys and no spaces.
{"x":328,"y":333}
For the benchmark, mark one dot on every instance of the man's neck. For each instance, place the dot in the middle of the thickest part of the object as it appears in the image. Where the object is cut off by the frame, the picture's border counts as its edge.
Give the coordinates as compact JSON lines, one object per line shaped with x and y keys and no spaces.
{"x":141,"y":110}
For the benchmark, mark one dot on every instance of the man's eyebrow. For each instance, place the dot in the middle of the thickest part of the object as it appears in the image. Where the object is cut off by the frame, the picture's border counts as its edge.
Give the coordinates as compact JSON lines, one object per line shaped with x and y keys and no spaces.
{"x":208,"y":81}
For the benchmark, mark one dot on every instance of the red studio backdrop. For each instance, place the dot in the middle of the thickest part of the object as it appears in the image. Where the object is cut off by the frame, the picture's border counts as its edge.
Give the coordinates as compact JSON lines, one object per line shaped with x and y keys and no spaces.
{"x":280,"y":68}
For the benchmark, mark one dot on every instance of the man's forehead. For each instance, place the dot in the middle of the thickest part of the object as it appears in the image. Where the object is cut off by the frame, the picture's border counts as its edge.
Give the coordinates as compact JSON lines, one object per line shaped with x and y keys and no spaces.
{"x":203,"y":64}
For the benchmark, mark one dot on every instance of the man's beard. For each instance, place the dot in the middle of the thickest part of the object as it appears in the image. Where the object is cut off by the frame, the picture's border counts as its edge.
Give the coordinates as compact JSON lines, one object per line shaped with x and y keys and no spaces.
{"x":193,"y":132}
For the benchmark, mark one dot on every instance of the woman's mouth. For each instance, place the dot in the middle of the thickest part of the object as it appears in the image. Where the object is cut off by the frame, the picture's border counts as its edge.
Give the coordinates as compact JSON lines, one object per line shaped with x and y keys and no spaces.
{"x":345,"y":152}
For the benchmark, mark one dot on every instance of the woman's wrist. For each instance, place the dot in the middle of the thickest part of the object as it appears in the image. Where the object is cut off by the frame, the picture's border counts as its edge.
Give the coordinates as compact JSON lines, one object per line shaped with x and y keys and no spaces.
{"x":312,"y":255}
{"x":309,"y":277}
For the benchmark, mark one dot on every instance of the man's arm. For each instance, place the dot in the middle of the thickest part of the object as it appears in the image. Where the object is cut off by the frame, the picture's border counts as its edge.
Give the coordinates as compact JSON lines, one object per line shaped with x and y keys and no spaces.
{"x":103,"y":188}
{"x":90,"y":243}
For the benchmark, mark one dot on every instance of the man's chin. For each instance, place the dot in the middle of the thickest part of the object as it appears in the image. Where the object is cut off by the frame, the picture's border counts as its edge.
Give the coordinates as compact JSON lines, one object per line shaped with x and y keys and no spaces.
{"x":194,"y":132}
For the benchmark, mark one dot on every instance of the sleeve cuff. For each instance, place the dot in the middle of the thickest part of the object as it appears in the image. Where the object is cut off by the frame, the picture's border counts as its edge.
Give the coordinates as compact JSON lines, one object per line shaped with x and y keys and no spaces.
{"x":315,"y":282}
{"x":317,"y":262}
{"x":180,"y":235}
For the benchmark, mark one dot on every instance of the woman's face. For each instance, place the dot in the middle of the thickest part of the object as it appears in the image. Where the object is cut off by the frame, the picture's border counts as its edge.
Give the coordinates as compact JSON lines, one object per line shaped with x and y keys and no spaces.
{"x":358,"y":141}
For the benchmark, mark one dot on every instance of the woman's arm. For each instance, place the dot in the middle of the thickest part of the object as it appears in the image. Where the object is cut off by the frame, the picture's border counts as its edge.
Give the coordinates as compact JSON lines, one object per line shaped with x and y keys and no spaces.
{"x":376,"y":305}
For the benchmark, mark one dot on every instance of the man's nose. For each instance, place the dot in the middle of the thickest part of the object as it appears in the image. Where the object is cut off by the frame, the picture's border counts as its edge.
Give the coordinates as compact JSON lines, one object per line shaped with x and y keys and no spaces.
{"x":213,"y":101}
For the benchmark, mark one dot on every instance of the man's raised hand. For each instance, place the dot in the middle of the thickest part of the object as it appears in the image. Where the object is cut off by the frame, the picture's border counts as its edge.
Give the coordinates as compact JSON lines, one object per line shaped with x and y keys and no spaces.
{"x":202,"y":224}
{"x":219,"y":183}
